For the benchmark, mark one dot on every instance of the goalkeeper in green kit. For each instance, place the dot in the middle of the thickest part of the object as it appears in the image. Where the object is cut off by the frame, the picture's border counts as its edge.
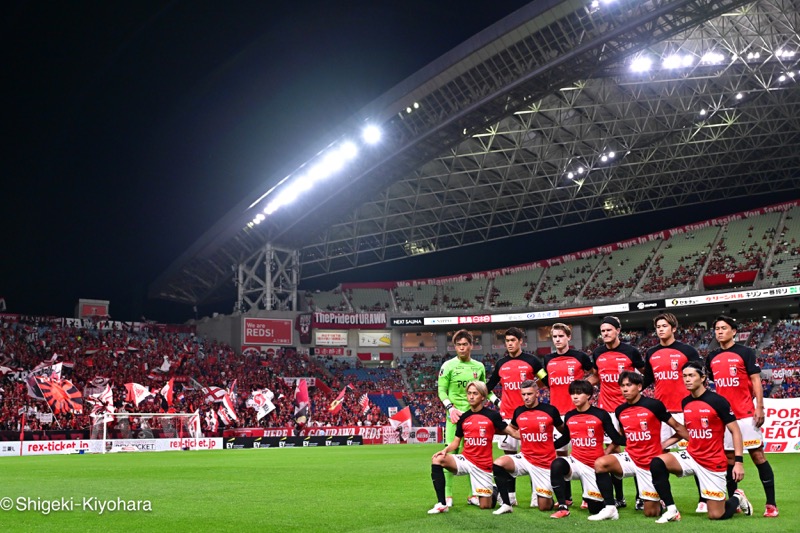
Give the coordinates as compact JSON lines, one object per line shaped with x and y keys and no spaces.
{"x":454,"y":377}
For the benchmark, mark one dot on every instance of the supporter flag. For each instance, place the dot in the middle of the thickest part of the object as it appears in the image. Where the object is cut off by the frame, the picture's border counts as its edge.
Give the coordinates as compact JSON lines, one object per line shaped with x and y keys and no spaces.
{"x":168,"y":390}
{"x":194,"y":425}
{"x":211,"y":421}
{"x":5,"y":370}
{"x":301,"y":401}
{"x":336,"y":405}
{"x":223,"y":416}
{"x":137,"y":393}
{"x":401,"y":422}
{"x":33,"y":388}
{"x":364,"y":403}
{"x":61,"y":395}
{"x":213,"y":394}
{"x":101,"y":399}
{"x":227,"y":404}
{"x":261,"y":401}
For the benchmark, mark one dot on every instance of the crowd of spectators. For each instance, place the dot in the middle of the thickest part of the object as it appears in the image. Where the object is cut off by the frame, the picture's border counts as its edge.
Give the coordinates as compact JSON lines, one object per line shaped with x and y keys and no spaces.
{"x":747,"y":257}
{"x":658,"y":281}
{"x":606,"y":286}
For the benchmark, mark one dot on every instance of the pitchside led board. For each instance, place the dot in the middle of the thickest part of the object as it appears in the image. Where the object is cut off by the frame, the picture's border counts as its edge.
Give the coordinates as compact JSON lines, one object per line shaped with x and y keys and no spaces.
{"x":266,"y":331}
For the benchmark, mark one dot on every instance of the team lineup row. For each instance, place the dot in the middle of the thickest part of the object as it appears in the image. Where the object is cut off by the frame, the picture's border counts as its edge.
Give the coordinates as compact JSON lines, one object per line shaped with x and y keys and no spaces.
{"x":569,"y":439}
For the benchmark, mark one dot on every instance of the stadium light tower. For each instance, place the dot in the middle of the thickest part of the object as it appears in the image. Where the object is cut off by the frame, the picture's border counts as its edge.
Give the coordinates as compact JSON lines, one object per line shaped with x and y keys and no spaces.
{"x":372,"y":134}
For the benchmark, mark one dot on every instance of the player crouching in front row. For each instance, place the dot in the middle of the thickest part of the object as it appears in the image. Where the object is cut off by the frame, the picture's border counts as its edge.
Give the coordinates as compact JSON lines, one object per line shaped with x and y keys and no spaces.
{"x":476,"y":428}
{"x":706,"y":416}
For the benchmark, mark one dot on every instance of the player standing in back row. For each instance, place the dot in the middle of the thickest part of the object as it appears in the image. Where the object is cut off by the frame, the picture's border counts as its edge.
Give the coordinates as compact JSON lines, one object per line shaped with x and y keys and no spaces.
{"x":662,"y":367}
{"x":612,"y":359}
{"x":454,"y":376}
{"x":737,"y":378}
{"x":510,"y":371}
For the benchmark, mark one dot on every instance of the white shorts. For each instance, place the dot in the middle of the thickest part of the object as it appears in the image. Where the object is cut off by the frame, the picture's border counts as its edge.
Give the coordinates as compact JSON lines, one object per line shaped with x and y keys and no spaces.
{"x":507,"y":443}
{"x":540,"y":477}
{"x":480,"y":479}
{"x":644,"y":479}
{"x":668,"y":431}
{"x":712,"y":484}
{"x":556,"y":436}
{"x":606,"y":438}
{"x":586,"y":475}
{"x":751,"y":435}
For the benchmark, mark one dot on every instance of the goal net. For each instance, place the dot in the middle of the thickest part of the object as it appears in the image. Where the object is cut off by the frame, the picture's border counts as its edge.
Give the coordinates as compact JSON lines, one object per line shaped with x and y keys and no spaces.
{"x":113,"y":432}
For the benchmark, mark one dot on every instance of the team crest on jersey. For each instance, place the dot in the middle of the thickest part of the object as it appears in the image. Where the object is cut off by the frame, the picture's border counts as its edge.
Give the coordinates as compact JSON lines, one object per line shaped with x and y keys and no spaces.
{"x":542,"y":427}
{"x":643,"y":425}
{"x":482,"y":432}
{"x":590,"y":432}
{"x":570,"y":370}
{"x":704,"y":422}
{"x":674,"y":364}
{"x":474,"y":375}
{"x":733,"y":370}
{"x":522,"y":375}
{"x":620,"y":367}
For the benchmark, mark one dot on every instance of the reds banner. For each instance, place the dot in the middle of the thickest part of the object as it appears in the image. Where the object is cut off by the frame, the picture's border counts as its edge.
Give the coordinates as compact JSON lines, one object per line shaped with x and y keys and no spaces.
{"x":334,"y":320}
{"x":260,"y":331}
{"x":370,"y":434}
{"x":303,"y":327}
{"x":782,"y":425}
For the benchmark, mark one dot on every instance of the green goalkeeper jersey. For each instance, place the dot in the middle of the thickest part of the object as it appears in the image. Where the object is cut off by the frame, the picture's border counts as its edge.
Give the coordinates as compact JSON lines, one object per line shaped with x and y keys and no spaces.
{"x":454,"y":377}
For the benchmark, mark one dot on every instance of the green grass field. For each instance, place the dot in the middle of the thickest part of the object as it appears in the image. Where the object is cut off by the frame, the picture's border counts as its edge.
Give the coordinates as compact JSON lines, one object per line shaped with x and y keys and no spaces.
{"x":365,"y":488}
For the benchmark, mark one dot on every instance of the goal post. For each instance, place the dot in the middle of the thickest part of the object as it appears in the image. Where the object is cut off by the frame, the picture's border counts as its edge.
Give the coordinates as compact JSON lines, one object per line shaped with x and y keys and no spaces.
{"x":124,"y":431}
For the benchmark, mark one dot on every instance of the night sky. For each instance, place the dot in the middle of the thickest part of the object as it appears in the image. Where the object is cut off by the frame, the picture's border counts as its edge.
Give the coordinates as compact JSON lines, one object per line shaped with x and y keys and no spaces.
{"x":135,"y":126}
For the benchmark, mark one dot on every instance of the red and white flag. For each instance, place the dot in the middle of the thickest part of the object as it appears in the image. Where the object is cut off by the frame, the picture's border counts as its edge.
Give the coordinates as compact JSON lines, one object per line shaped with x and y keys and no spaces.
{"x":136,"y":393}
{"x":336,"y":405}
{"x":364,"y":403}
{"x":402,"y":418}
{"x":168,"y":390}
{"x":213,"y":394}
{"x":194,"y":425}
{"x":211,"y":421}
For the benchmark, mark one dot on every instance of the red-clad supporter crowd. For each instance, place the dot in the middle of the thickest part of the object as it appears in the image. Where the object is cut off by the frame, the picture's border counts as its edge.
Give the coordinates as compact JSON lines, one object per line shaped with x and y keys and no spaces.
{"x":747,"y":257}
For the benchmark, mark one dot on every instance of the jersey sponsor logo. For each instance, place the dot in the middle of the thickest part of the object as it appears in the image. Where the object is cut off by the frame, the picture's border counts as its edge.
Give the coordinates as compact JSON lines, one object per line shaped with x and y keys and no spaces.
{"x":512,"y":385}
{"x":581,"y":442}
{"x":638,"y":436}
{"x":671,"y":375}
{"x":650,"y":495}
{"x":700,"y":433}
{"x":609,"y":378}
{"x":544,"y":492}
{"x":472,"y":441}
{"x":752,"y":442}
{"x":727,"y":382}
{"x":594,"y":495}
{"x":561,"y":381}
{"x":535,"y":437}
{"x":484,"y":492}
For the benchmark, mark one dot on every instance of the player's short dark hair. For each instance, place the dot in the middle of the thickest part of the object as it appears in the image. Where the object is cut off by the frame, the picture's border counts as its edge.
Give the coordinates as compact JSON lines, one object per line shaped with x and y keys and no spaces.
{"x":581,"y":386}
{"x":612,"y":320}
{"x":527,"y":384}
{"x":696,"y":365}
{"x":463,"y":334}
{"x":563,"y":327}
{"x":671,"y":319}
{"x":515,"y":332}
{"x":728,"y":320}
{"x":634,"y":377}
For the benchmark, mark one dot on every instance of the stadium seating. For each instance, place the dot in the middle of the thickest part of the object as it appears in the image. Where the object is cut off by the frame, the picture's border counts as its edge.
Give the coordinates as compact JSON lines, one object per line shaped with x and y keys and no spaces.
{"x":464,"y":295}
{"x":678,"y":262}
{"x":785,"y":265}
{"x":327,"y":301}
{"x":370,"y":299}
{"x":619,"y":273}
{"x":420,"y":298}
{"x":744,"y":244}
{"x":562,"y":283}
{"x":514,"y":290}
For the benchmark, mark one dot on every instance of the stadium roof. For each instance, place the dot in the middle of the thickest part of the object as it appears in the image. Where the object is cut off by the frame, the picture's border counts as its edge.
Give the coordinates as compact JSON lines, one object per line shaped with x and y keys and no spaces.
{"x":563,"y":113}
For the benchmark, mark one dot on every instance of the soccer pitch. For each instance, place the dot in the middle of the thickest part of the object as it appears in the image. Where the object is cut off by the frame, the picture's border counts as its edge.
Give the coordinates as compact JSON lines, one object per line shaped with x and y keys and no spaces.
{"x":364,"y":488}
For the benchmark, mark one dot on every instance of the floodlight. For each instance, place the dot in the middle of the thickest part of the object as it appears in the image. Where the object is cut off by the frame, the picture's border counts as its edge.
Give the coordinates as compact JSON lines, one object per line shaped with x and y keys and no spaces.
{"x":416,"y":105}
{"x":580,"y":170}
{"x":348,"y":150}
{"x":612,"y":155}
{"x":712,"y":58}
{"x":702,"y":112}
{"x":604,"y":158}
{"x":372,"y":134}
{"x":571,"y":175}
{"x":782,"y":77}
{"x":739,"y":96}
{"x":641,"y":64}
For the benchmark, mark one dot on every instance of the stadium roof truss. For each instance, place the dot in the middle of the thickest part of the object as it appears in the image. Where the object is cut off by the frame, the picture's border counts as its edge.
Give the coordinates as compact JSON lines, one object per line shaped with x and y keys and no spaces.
{"x":537,"y":123}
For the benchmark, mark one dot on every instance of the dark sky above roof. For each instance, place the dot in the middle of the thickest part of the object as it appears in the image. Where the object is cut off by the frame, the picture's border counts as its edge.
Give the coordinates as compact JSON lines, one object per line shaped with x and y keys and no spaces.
{"x":134,"y":126}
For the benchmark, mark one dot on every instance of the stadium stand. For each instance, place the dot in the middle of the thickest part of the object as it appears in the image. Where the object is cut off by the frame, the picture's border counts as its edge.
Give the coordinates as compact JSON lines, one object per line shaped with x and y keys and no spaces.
{"x":514,"y":290}
{"x":420,"y":298}
{"x":372,"y":299}
{"x":564,"y":282}
{"x":785,"y":265}
{"x":744,"y":244}
{"x":619,"y":272}
{"x":333,"y":300}
{"x":464,"y":295}
{"x":679,"y":261}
